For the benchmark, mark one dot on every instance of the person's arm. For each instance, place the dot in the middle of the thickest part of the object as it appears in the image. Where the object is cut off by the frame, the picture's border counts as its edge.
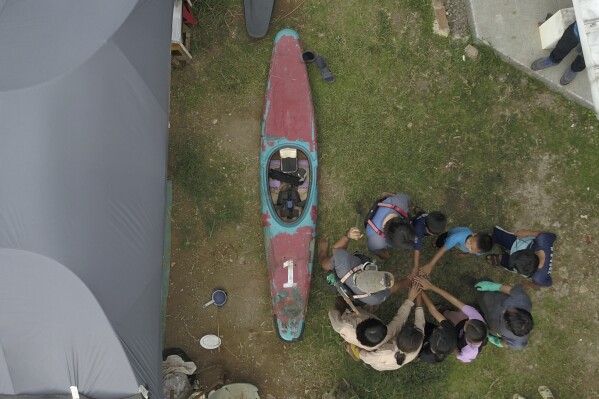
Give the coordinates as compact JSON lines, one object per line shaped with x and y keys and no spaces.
{"x":414,"y":272}
{"x":430,"y":306}
{"x":497,"y":341}
{"x":387,"y":195}
{"x":542,"y":277}
{"x":419,"y":318}
{"x":336,"y":322}
{"x":428,"y":268}
{"x":400,"y":284}
{"x":527,"y":233}
{"x":427,"y":285}
{"x":343,"y":242}
{"x":506,"y":289}
{"x":402,"y":313}
{"x":489,"y":286}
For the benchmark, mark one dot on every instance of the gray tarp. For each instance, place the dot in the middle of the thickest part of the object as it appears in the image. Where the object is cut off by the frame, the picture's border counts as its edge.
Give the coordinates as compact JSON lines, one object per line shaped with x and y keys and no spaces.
{"x":83,"y":150}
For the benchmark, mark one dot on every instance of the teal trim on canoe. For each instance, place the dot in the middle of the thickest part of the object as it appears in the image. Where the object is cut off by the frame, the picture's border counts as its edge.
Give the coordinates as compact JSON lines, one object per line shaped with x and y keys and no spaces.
{"x":286,"y":32}
{"x":290,"y":337}
{"x":280,"y":226}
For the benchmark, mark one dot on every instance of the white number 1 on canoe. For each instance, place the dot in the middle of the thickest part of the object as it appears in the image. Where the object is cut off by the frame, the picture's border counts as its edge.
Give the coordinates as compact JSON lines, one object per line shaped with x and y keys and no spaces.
{"x":289,"y":265}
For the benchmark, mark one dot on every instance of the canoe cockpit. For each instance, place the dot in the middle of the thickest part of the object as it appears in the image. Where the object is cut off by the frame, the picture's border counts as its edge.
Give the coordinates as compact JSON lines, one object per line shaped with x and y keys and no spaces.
{"x":289,"y":182}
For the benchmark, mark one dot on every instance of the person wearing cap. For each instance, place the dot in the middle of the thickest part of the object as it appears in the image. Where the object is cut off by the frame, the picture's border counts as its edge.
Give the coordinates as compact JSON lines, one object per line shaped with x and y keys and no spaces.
{"x":371,"y":287}
{"x":439,"y":340}
{"x":404,"y":347}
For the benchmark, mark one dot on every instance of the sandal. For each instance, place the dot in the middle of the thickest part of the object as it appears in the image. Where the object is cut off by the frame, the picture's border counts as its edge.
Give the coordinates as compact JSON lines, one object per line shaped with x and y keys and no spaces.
{"x":493,"y":259}
{"x":324,"y":69}
{"x":545,"y":392}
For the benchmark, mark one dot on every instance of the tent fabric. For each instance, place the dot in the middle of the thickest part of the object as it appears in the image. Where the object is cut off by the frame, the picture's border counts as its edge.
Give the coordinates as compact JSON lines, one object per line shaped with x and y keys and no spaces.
{"x":83,"y":152}
{"x":50,"y":317}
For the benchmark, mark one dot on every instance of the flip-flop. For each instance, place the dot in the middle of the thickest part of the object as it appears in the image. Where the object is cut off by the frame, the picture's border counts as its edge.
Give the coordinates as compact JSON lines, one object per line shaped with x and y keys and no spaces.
{"x":324,"y":69}
{"x":546,"y":392}
{"x":493,"y":259}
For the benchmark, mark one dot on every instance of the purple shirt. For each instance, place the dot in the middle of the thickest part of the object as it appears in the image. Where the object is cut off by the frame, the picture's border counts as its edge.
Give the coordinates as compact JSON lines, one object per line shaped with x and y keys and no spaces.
{"x":470,"y":351}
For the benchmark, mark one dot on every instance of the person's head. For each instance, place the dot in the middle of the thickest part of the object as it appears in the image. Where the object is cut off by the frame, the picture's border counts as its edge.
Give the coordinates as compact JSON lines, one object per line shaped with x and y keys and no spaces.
{"x":371,"y":332}
{"x":476,"y":331}
{"x":408,"y":340}
{"x":518,"y":321}
{"x":443,"y":341}
{"x":479,"y":243}
{"x":400,"y":233}
{"x":435,"y":222}
{"x":525,"y":262}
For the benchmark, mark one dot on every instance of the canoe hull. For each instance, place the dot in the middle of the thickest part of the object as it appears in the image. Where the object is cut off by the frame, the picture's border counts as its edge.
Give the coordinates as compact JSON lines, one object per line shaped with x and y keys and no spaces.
{"x":288,"y":122}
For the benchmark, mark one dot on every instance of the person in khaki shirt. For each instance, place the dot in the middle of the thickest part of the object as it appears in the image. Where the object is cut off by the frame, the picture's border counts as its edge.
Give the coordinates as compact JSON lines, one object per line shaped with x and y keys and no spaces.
{"x":399,"y":350}
{"x":365,"y":330}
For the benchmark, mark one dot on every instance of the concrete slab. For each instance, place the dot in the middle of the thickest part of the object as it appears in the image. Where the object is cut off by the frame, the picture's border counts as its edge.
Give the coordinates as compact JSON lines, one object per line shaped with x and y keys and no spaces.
{"x":511,"y":27}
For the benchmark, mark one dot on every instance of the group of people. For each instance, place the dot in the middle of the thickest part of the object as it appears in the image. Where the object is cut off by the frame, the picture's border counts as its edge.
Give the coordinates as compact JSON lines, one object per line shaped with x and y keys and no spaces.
{"x":502,"y":315}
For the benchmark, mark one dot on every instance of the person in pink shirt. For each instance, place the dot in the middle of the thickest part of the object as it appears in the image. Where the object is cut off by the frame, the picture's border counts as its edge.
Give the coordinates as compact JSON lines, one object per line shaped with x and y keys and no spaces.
{"x":470,"y":324}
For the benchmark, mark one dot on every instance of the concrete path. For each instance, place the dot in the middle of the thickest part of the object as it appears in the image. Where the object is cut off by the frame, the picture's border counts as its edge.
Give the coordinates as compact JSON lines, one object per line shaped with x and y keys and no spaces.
{"x":511,"y":27}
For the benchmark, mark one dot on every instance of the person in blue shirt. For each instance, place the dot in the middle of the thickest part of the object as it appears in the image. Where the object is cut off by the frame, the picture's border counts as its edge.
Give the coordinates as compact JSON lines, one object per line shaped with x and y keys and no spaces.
{"x":462,"y":238}
{"x":527,"y":252}
{"x":570,"y":40}
{"x":425,"y":225}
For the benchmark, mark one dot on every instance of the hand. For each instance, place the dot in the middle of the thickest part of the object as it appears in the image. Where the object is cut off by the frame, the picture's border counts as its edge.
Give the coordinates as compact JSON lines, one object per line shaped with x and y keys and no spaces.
{"x":354,"y":234}
{"x":412,"y":276}
{"x":495,"y":341}
{"x":425,"y":270}
{"x":424,"y":283}
{"x":413,"y":292}
{"x":487,"y":286}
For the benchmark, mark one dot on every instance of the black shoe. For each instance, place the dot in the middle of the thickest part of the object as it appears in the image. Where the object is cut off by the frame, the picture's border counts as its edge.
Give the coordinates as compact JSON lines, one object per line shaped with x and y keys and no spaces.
{"x":542,"y":63}
{"x":567,"y":77}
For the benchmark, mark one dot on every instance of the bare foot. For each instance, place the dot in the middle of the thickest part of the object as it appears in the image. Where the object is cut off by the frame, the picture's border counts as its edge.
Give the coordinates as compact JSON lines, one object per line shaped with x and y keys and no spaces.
{"x":323,"y":248}
{"x":384,"y":254}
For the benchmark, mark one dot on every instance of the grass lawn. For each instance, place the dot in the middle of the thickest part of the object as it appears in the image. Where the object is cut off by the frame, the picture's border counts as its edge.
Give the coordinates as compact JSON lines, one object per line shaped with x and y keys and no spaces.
{"x":476,"y":139}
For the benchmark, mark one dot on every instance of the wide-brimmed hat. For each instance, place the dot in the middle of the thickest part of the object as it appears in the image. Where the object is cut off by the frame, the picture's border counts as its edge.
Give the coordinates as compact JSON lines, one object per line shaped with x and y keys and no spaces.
{"x":371,"y":281}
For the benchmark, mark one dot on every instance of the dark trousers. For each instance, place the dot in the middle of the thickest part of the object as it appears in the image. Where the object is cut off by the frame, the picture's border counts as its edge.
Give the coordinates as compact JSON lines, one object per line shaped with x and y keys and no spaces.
{"x":567,"y":43}
{"x":504,"y":239}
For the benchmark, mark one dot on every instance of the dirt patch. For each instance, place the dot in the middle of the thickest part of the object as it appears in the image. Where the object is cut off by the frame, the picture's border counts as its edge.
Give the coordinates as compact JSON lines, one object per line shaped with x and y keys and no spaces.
{"x":250,"y":352}
{"x":534,"y":193}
